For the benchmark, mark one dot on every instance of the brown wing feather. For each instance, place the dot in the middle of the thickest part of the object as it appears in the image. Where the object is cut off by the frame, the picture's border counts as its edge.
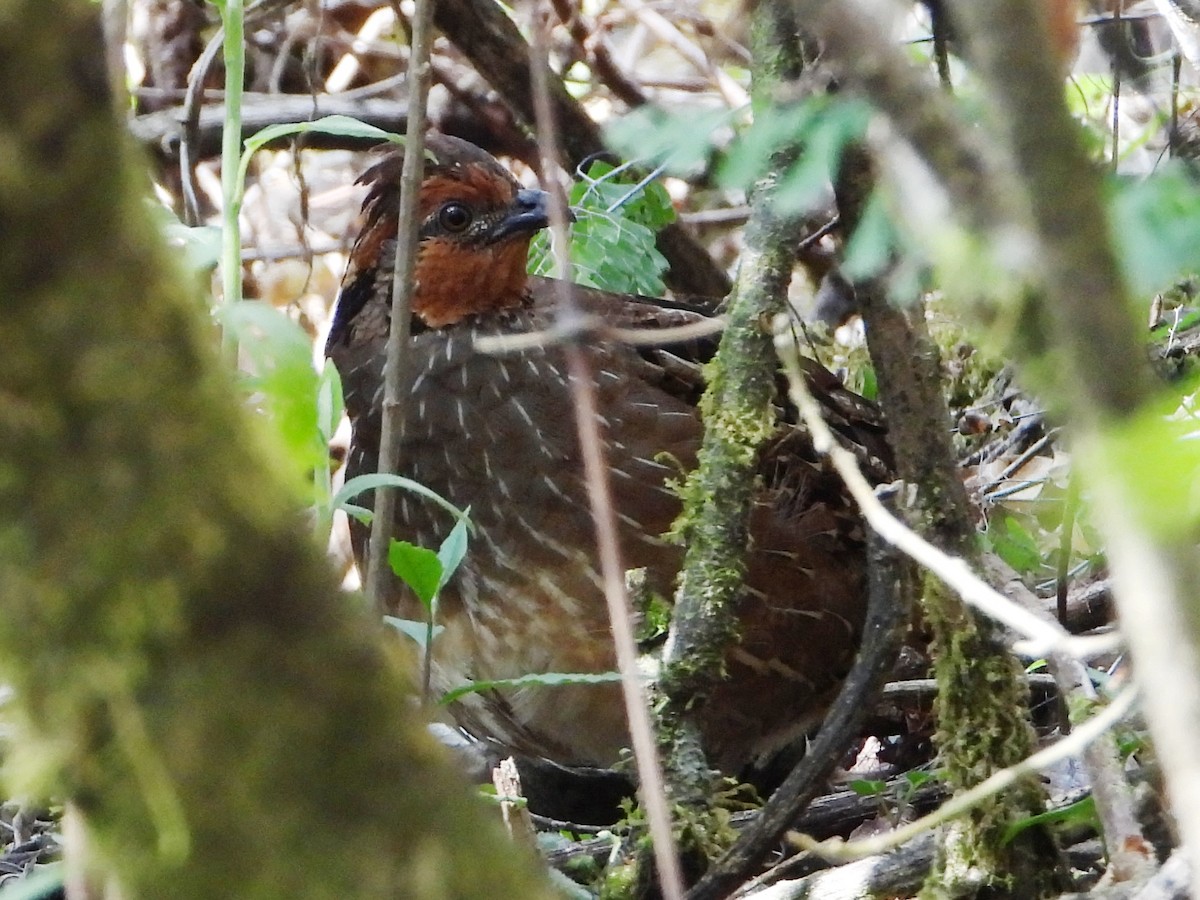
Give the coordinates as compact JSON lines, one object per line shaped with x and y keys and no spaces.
{"x":497,"y":433}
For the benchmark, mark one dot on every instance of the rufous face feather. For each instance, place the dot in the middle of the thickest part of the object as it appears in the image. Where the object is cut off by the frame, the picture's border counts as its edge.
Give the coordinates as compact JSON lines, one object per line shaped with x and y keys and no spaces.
{"x":475,"y":222}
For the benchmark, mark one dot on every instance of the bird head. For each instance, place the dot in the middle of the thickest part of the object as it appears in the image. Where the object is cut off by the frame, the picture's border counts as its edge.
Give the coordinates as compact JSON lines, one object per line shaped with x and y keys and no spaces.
{"x":475,"y":222}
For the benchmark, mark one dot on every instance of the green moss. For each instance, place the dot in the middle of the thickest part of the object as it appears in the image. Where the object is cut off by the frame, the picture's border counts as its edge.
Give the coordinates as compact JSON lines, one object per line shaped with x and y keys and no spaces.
{"x":701,"y":835}
{"x":983,"y":727}
{"x":184,"y":671}
{"x":619,"y":881}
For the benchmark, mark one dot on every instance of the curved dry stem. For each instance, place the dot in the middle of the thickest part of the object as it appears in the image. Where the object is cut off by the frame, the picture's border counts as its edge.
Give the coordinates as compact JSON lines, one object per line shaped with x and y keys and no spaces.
{"x":1041,"y":636}
{"x":837,"y":850}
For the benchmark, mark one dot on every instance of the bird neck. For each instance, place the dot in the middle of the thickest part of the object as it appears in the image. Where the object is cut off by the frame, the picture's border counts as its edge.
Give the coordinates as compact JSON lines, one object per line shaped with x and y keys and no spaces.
{"x":456,"y":280}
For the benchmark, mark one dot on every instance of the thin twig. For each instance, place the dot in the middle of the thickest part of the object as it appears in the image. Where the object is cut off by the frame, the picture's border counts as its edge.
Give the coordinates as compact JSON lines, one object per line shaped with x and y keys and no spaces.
{"x":811,"y":240}
{"x":376,"y":25}
{"x":258,"y":254}
{"x":1071,"y":745}
{"x":653,"y":175}
{"x":192,"y":102}
{"x":1013,"y":489}
{"x":733,"y":215}
{"x":1117,"y":15}
{"x":735,"y":95}
{"x":645,"y":751}
{"x":1029,"y":453}
{"x":378,"y":571}
{"x":1042,"y":637}
{"x":232,"y":15}
{"x":599,"y":56}
{"x":191,"y":127}
{"x":580,"y":325}
{"x":1062,"y":570}
{"x":924,"y":688}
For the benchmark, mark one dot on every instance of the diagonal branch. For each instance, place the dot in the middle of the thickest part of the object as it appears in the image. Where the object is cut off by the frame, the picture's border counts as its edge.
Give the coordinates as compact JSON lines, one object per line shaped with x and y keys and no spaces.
{"x":604,"y":516}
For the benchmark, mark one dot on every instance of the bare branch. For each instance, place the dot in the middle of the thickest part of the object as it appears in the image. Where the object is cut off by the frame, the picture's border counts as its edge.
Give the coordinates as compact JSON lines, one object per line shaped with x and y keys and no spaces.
{"x":379,"y":573}
{"x":604,"y":516}
{"x":599,"y":56}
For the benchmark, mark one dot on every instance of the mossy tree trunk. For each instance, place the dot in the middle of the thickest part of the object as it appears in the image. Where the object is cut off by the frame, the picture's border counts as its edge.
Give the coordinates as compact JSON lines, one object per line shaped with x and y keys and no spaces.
{"x":982,"y":700}
{"x":1027,"y":234}
{"x":1078,"y":338}
{"x":738,"y":419}
{"x":185,"y":673}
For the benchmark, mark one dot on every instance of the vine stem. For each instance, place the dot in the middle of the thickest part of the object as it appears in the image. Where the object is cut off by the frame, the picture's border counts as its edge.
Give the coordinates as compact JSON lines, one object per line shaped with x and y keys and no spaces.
{"x":419,"y":73}
{"x":232,"y":19}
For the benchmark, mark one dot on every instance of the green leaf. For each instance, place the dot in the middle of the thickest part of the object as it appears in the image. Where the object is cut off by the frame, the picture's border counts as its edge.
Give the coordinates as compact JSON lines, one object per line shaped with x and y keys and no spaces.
{"x":1155,"y":225}
{"x":868,"y":383}
{"x":1015,"y":545}
{"x":680,"y":140}
{"x":329,"y":403}
{"x":454,"y":548}
{"x":417,"y":631}
{"x":870,"y":248}
{"x":1158,"y":458}
{"x":916,"y":778}
{"x":807,"y":182}
{"x":868,"y":787}
{"x":542,"y":679}
{"x":417,"y":567}
{"x":282,"y":379}
{"x":751,"y":155}
{"x":360,"y":483}
{"x":1130,"y":742}
{"x":1080,"y":812}
{"x":201,"y":244}
{"x":821,"y":126}
{"x":341,"y":126}
{"x":643,"y":201}
{"x":361,"y":513}
{"x":655,"y":209}
{"x":612,"y":240}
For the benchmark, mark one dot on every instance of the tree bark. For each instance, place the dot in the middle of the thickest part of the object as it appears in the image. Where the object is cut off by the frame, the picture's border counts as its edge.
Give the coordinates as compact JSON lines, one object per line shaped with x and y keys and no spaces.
{"x":185,"y":673}
{"x":982,"y":700}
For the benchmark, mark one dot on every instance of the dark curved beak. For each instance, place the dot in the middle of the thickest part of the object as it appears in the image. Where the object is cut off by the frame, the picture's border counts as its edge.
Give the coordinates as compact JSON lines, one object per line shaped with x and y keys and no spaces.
{"x":530,"y":212}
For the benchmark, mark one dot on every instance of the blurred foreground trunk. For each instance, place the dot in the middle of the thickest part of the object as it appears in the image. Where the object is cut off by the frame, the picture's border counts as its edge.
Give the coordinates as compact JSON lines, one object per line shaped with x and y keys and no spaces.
{"x":185,"y":674}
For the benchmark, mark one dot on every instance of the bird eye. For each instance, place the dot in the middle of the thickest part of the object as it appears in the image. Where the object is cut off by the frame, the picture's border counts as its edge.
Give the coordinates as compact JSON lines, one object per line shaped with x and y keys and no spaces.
{"x":454,"y":217}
